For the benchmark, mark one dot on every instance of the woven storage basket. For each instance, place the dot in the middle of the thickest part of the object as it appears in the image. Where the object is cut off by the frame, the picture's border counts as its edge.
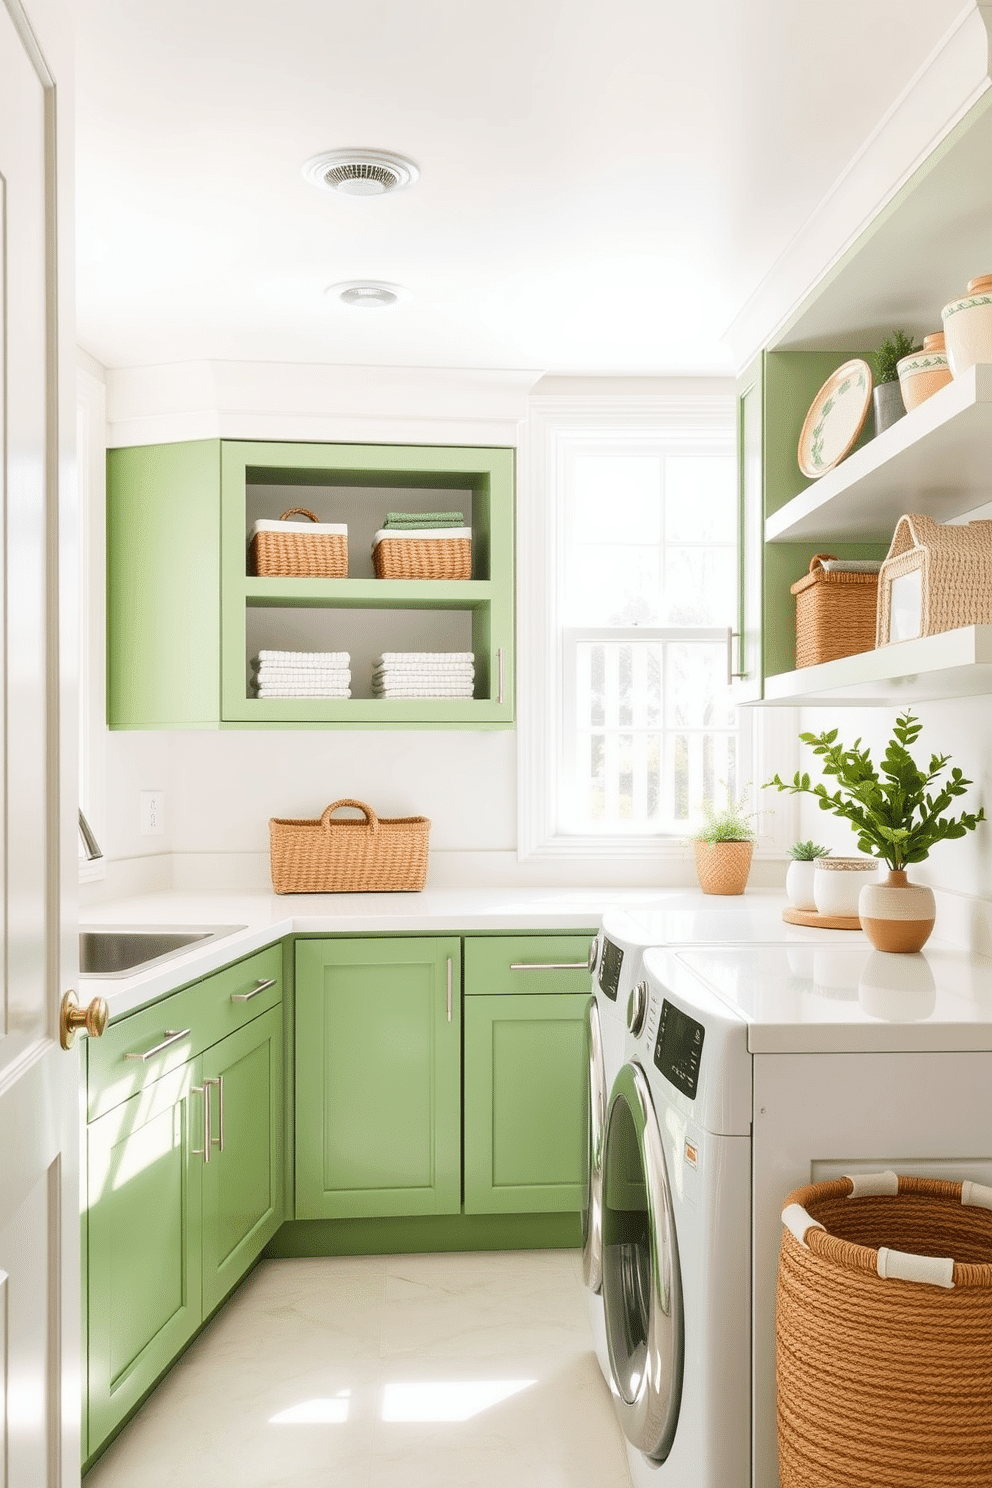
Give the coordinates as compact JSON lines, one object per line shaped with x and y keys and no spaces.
{"x":835,"y":613}
{"x":298,"y":554}
{"x":379,"y":855}
{"x":955,"y":565}
{"x":885,"y":1382}
{"x":423,"y":558}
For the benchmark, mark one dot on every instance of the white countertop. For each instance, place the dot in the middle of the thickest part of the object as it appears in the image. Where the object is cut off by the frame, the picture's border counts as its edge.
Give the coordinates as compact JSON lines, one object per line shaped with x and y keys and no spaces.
{"x":268,"y":917}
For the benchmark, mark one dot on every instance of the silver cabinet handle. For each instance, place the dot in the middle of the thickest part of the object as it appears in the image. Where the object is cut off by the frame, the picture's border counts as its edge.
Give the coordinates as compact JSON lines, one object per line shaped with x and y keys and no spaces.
{"x":258,"y":987}
{"x":499,"y":672}
{"x":204,"y":1090}
{"x":449,"y":989}
{"x":172,"y":1036}
{"x":217,"y":1141}
{"x":732,"y":636}
{"x":549,"y":966}
{"x":593,"y":955}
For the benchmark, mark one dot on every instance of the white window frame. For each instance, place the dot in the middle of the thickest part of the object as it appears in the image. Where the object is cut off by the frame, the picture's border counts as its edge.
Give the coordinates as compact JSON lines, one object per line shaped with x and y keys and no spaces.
{"x":91,"y":482}
{"x":706,"y":415}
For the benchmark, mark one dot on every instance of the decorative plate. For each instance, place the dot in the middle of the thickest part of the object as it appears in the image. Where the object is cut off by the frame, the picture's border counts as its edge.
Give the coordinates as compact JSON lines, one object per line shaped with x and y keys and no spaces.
{"x":835,"y":419}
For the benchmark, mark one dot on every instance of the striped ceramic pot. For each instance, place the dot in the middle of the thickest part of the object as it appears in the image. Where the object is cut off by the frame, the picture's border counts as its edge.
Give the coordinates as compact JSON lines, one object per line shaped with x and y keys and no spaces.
{"x":968,"y":326}
{"x":897,"y":915}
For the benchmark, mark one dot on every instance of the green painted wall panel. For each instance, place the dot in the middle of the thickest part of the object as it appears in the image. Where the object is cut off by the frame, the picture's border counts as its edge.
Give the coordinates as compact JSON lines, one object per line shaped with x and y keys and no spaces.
{"x":163,"y":586}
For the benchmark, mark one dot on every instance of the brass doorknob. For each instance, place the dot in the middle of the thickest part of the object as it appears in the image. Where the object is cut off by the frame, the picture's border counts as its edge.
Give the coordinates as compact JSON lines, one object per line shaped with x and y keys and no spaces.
{"x":72,"y":1018}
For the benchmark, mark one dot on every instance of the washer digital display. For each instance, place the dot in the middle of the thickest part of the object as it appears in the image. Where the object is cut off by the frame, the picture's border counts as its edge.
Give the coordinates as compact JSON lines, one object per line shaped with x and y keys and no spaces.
{"x":609,"y":969}
{"x":679,"y":1048}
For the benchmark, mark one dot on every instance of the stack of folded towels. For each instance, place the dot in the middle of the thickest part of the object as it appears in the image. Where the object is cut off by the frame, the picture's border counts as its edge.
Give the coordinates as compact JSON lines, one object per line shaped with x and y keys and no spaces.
{"x":423,"y":674}
{"x":314,"y":674}
{"x":397,"y":522}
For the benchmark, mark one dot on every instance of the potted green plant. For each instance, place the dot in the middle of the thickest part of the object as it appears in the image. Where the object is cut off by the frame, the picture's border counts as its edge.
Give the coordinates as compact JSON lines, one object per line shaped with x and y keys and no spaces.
{"x":899,"y":813}
{"x":799,"y":875}
{"x":887,"y":395}
{"x":723,"y":847}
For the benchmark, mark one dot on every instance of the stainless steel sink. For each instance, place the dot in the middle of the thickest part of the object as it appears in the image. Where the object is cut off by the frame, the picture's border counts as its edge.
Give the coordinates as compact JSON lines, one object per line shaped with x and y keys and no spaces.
{"x":123,"y":950}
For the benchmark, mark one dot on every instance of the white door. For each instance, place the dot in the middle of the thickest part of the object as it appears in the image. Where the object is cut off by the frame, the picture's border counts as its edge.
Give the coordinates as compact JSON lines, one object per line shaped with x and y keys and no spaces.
{"x":39,"y":1205}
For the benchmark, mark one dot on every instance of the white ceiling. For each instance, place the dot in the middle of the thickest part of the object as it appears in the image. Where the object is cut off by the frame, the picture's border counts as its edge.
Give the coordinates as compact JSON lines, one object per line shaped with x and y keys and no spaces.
{"x":603,"y":182}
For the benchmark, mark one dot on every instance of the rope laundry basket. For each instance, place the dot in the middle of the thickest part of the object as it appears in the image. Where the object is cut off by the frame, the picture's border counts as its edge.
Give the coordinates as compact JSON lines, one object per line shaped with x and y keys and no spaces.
{"x":292,"y":552}
{"x":422,"y":558}
{"x":884,"y":1335}
{"x":378,"y":855}
{"x":954,"y":564}
{"x":835,"y":611}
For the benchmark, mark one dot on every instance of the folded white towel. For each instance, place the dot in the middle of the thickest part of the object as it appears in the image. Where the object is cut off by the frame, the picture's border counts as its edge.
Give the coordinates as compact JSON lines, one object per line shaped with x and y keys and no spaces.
{"x":300,"y":658}
{"x":424,"y":670}
{"x":268,"y":524}
{"x":433,"y":534}
{"x":301,"y":677}
{"x":284,"y":690}
{"x":427,"y":690}
{"x":388,"y":658}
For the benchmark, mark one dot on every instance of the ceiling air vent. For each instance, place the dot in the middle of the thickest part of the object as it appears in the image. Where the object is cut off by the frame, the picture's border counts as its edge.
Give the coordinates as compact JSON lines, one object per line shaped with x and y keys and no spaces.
{"x":361,"y":172}
{"x":366,"y":292}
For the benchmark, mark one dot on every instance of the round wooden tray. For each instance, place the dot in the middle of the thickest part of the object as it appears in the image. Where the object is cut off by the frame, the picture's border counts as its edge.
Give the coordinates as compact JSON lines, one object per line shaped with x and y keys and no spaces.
{"x":820,"y":922}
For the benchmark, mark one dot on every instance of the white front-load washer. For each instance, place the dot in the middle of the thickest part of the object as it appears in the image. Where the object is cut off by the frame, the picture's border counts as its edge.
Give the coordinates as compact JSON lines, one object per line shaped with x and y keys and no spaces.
{"x":680,"y":917}
{"x":766,"y":1068}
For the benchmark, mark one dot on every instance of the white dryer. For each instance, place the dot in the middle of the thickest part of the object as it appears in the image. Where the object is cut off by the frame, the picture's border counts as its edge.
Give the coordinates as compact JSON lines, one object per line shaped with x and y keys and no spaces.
{"x":680,"y":917}
{"x":753,"y":1070}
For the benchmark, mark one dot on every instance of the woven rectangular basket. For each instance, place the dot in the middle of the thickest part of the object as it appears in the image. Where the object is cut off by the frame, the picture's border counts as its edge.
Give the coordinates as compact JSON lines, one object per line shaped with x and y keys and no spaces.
{"x":378,"y":855}
{"x":295,"y":553}
{"x":423,"y":558}
{"x":835,"y":613}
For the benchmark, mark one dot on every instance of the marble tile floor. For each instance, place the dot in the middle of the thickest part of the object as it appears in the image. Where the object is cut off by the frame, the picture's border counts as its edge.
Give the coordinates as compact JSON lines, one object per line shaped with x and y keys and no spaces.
{"x":410,"y":1371}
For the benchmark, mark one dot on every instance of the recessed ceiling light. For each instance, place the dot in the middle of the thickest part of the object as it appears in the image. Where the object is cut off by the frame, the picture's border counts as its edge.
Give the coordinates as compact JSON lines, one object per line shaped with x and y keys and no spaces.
{"x":361,"y":172}
{"x":371,"y":293}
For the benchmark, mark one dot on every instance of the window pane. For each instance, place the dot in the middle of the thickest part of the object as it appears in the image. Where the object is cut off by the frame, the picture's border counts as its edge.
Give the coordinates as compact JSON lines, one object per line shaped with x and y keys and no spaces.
{"x":614,"y":498}
{"x":699,"y":586}
{"x":612,"y":585}
{"x":701,"y":499}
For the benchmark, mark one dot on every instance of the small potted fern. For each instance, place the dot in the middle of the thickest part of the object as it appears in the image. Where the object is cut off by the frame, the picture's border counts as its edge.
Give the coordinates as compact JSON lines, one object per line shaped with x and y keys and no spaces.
{"x":887,"y":396}
{"x":799,"y":875}
{"x":723,"y":847}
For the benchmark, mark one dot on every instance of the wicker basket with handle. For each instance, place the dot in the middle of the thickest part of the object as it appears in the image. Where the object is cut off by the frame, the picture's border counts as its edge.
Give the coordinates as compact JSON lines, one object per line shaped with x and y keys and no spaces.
{"x":422,"y":558}
{"x":884,"y":1334}
{"x":955,"y":567}
{"x":377,"y":855}
{"x":295,"y":553}
{"x":835,"y":612}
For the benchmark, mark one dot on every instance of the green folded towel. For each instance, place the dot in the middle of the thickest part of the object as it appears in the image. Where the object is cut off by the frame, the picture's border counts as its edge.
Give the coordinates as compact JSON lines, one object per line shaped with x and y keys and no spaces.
{"x":424,"y":519}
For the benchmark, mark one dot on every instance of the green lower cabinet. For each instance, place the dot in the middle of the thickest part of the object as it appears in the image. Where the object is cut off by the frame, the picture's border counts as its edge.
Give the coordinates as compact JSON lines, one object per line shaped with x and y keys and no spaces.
{"x":243,"y":1181}
{"x":143,"y":1226}
{"x":525,"y":1103}
{"x":378,"y":1077}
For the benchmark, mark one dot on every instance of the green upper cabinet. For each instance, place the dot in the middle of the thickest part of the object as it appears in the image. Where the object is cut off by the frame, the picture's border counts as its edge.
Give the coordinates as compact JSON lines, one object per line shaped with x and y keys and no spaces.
{"x":378,"y":1077}
{"x":185,"y":616}
{"x":774,"y":395}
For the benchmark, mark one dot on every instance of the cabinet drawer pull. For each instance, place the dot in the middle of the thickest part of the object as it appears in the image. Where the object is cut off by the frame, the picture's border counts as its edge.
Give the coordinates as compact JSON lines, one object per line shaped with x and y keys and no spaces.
{"x":449,"y":989}
{"x":172,"y":1036}
{"x":262,"y":986}
{"x":218,"y":1140}
{"x":732,"y":636}
{"x":203,"y":1151}
{"x":549,"y":966}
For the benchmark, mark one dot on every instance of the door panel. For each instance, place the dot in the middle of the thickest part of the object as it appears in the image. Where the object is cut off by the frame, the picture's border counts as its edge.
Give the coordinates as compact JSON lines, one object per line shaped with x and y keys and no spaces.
{"x":378,"y":1078}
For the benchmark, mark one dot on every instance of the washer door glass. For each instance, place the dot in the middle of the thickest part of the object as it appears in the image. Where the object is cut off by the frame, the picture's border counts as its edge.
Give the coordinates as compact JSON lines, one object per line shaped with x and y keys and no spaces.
{"x":642,"y":1281}
{"x":592,"y":1213}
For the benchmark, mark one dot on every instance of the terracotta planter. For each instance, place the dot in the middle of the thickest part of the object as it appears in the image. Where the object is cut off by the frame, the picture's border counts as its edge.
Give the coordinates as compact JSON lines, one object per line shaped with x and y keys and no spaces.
{"x":723,"y":867}
{"x":897,"y":915}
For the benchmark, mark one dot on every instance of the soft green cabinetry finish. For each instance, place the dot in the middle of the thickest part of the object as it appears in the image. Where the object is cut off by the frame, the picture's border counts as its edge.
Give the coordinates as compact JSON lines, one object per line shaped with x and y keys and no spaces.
{"x":525,"y":1073}
{"x":185,"y":616}
{"x":378,"y":1049}
{"x":179,"y":1199}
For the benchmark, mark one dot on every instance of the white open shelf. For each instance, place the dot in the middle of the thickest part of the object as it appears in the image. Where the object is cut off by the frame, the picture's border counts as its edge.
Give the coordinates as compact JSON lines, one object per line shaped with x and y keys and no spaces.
{"x":938,"y":460}
{"x":957,"y":663}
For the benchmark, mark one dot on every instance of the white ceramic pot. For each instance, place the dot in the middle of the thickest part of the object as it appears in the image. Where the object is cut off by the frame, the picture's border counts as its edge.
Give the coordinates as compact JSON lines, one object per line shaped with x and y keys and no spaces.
{"x":968,"y":326}
{"x":897,"y":915}
{"x":837,"y":883}
{"x":925,"y":372}
{"x":799,"y":883}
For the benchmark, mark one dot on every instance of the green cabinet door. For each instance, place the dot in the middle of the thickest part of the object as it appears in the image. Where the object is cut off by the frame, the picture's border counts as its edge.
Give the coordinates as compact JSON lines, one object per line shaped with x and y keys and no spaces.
{"x":143,"y":1231}
{"x":525,"y":1102}
{"x":242,"y":1181}
{"x":378,"y":1077}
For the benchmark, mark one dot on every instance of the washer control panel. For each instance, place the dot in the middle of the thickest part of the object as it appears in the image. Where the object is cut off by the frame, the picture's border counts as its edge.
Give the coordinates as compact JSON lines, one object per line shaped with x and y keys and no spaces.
{"x":678,"y":1048}
{"x":609,"y":969}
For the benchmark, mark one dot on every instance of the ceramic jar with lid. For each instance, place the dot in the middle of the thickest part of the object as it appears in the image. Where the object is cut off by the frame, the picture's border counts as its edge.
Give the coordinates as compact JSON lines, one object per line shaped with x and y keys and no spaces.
{"x":968,"y":326}
{"x":923,"y":372}
{"x":837,"y":884}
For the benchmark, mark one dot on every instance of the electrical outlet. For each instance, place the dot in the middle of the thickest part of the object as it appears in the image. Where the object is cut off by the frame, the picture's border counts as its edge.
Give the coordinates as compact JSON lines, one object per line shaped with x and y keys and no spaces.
{"x":151,"y":812}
